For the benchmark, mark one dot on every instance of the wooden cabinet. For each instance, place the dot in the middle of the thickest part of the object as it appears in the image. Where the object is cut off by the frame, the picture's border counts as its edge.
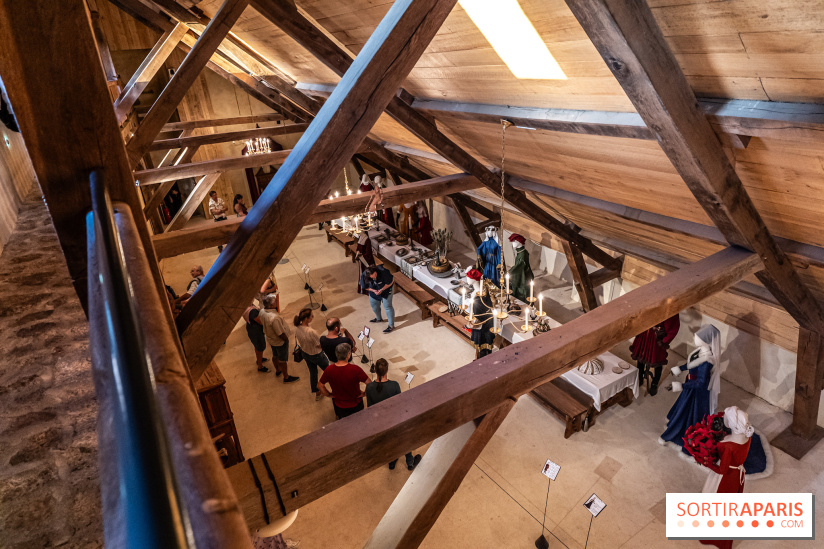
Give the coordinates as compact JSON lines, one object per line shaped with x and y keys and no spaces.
{"x":211,"y":390}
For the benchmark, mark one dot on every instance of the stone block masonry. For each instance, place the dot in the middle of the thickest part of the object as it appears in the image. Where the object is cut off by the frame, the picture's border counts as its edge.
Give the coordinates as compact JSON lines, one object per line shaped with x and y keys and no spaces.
{"x":49,"y":488}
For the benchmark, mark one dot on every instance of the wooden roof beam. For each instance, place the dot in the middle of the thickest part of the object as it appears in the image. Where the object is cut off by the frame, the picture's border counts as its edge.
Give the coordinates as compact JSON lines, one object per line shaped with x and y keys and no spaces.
{"x":627,"y":36}
{"x":326,"y":459}
{"x":226,"y":137}
{"x":214,"y":122}
{"x":324,"y":149}
{"x":802,"y":254}
{"x":196,"y":169}
{"x":184,"y":77}
{"x":217,"y":234}
{"x":284,"y":15}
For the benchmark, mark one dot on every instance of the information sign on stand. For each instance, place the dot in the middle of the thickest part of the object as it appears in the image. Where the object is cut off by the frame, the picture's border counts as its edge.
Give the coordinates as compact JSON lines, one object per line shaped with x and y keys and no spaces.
{"x":594,"y":505}
{"x":551,"y":469}
{"x":370,"y":342}
{"x":409,"y":377}
{"x":361,"y":336}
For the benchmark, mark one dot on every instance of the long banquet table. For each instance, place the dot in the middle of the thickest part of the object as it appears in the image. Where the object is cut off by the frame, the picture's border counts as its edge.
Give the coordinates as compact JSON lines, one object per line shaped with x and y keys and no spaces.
{"x":600,"y":387}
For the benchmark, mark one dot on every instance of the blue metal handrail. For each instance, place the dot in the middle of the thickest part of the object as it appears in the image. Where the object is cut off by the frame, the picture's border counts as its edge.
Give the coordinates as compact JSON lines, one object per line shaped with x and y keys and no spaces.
{"x":153,"y":510}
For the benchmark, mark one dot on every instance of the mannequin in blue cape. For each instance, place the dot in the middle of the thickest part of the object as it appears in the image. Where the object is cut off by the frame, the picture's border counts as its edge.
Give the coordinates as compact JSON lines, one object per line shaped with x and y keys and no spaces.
{"x":699,"y":393}
{"x":489,"y":254}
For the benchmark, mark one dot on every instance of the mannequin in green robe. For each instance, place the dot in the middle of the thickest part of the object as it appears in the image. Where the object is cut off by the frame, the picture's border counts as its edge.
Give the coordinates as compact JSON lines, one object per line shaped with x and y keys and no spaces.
{"x":520,"y":274}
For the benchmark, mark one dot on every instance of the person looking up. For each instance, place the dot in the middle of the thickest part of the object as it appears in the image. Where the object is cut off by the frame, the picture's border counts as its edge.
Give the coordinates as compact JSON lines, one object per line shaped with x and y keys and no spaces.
{"x":344,"y":378}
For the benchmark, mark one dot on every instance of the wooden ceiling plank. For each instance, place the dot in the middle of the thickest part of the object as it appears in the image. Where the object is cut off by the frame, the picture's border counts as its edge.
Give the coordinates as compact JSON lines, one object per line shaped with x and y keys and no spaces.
{"x":631,"y":43}
{"x":216,"y":234}
{"x":147,"y":70}
{"x":324,"y":460}
{"x":323,"y":150}
{"x":184,"y":77}
{"x":305,"y":33}
{"x":226,"y":137}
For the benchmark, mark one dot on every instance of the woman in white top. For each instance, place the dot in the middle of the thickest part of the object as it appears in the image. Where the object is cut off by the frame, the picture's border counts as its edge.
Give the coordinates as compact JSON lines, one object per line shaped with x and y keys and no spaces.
{"x":309,"y":341}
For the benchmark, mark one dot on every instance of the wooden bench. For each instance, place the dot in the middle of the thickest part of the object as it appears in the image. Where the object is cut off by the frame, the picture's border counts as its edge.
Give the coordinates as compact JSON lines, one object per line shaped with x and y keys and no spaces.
{"x":455,"y":323}
{"x":566,"y":402}
{"x":421,"y":296}
{"x":341,"y":238}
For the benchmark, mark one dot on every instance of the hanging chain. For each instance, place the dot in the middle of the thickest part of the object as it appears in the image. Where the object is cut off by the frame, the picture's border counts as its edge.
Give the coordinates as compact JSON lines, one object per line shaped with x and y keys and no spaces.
{"x":504,"y":125}
{"x":346,"y":179}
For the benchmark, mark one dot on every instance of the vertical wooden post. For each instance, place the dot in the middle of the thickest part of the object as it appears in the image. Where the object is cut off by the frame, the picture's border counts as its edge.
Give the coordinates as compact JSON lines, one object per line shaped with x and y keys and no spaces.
{"x":580,"y":275}
{"x":809,"y":380}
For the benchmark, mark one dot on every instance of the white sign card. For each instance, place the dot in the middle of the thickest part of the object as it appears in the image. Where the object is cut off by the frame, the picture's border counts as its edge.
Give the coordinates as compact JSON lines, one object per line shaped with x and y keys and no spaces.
{"x":551,"y":469}
{"x":307,"y":271}
{"x":321,"y":286}
{"x":366,"y":331}
{"x":409,"y":378}
{"x":370,"y":342}
{"x":360,"y":336}
{"x":594,"y":505}
{"x":304,"y":268}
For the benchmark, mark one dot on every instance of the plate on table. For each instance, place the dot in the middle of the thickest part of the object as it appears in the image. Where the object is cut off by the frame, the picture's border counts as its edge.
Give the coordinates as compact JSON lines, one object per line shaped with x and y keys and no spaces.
{"x":402,"y":252}
{"x":413,"y":260}
{"x":381,"y":238}
{"x":455,"y":282}
{"x":624,"y":365}
{"x":617,"y":370}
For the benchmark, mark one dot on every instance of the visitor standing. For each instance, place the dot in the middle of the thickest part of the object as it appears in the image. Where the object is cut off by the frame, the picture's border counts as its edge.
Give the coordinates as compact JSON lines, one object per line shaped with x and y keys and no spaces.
{"x":378,"y":391}
{"x":277,"y":336}
{"x":345,"y":380}
{"x":255,"y":332}
{"x":309,"y":342}
{"x":379,"y":282}
{"x":336,"y":334}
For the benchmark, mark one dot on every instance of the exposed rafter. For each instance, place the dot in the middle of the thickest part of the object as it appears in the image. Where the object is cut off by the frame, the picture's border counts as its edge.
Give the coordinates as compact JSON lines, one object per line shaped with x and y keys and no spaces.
{"x":627,"y":36}
{"x":216,"y":234}
{"x":334,"y":136}
{"x":226,"y":137}
{"x":184,"y":77}
{"x":285,"y":15}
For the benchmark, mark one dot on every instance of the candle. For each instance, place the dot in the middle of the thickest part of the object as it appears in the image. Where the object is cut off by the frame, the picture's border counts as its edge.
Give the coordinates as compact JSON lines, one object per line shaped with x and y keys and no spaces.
{"x":507,"y":282}
{"x":541,"y":304}
{"x":463,"y":298}
{"x":531,"y":290}
{"x":471,"y":303}
{"x":526,"y":318}
{"x":337,"y":194}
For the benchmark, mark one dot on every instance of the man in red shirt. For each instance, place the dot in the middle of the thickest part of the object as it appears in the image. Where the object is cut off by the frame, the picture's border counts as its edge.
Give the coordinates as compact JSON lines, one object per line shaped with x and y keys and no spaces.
{"x":344,"y":378}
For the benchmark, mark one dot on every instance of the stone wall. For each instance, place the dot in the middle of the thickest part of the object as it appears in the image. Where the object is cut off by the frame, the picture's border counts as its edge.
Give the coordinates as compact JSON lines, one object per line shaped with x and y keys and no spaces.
{"x":49,"y":492}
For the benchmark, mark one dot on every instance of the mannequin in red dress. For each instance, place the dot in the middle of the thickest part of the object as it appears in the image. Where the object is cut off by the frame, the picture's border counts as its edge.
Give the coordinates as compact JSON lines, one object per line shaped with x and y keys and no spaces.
{"x":728,"y":476}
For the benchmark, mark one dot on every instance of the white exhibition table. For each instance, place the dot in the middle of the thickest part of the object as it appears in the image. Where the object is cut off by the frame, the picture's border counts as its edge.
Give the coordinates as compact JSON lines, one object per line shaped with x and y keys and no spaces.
{"x":600,"y":387}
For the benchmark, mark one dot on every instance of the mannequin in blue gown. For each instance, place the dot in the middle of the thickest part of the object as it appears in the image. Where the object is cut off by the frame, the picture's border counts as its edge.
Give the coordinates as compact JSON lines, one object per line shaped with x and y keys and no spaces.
{"x":699,"y":395}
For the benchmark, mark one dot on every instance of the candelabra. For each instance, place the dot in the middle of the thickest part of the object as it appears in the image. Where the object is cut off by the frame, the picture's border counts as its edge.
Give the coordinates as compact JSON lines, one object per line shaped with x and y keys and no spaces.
{"x":258,"y":145}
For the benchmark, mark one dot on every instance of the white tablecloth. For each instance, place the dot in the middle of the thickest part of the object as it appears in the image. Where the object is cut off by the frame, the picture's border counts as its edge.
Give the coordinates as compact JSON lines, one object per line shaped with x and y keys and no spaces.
{"x":607,"y":384}
{"x":600,"y":387}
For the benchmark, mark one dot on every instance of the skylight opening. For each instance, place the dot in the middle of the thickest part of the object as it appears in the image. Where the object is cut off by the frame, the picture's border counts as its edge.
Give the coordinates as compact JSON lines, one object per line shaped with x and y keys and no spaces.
{"x":511,"y":34}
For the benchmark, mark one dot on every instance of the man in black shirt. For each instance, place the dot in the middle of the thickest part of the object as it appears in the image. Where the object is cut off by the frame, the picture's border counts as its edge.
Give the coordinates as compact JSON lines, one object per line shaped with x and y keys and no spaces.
{"x":380,"y":284}
{"x":335,"y":336}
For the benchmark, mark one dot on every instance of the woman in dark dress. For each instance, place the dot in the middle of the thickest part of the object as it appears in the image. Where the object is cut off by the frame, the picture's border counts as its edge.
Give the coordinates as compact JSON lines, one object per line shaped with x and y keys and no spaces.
{"x":255,"y":332}
{"x":695,"y":400}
